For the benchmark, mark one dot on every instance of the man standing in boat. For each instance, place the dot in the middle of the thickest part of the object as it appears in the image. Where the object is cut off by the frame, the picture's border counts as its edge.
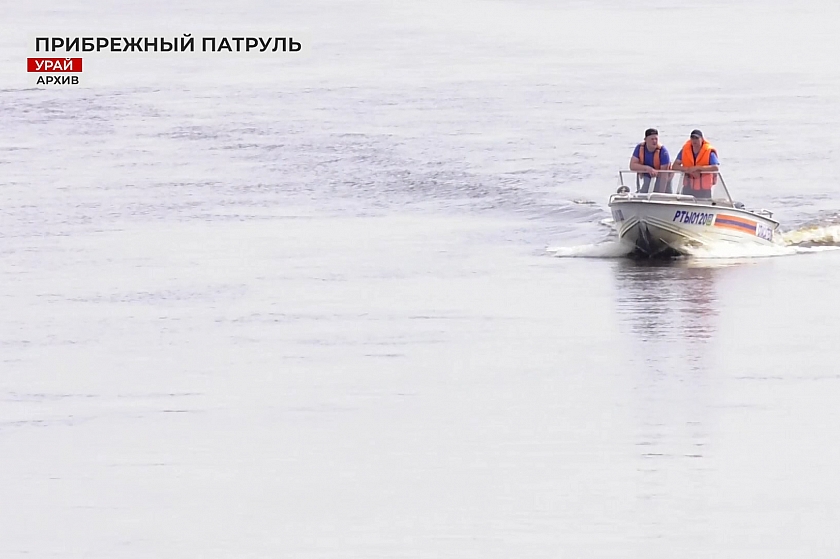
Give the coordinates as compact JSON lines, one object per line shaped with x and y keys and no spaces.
{"x":647,"y":159}
{"x":699,"y":161}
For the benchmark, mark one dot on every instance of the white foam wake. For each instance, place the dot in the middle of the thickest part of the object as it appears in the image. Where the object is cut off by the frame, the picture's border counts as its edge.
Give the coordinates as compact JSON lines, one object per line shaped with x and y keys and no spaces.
{"x":607,"y":249}
{"x":807,"y":239}
{"x":813,"y":236}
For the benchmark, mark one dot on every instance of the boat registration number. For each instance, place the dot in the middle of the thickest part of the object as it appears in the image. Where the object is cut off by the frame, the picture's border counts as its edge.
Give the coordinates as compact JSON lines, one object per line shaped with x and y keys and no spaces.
{"x":694,"y":218}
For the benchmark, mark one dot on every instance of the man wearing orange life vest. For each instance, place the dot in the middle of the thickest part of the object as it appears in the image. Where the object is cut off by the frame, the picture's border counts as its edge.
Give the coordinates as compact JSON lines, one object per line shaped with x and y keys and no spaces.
{"x":648,"y":158}
{"x":696,"y":159}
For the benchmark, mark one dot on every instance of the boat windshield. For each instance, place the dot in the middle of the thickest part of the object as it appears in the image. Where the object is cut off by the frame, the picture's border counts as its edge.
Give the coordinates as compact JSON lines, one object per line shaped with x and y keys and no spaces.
{"x":702,"y":186}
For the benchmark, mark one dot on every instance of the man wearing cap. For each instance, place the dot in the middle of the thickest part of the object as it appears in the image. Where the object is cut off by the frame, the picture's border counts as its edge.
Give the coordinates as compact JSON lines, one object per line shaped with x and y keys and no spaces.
{"x":699,"y":162}
{"x":648,"y":158}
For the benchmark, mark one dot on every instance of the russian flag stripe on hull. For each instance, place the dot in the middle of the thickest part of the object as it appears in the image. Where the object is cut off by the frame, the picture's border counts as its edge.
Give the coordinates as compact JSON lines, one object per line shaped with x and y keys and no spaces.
{"x":737,"y":223}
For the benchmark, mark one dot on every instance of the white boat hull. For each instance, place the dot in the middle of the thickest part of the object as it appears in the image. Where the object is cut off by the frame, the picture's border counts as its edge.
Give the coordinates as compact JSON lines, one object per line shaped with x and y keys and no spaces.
{"x":663,"y":224}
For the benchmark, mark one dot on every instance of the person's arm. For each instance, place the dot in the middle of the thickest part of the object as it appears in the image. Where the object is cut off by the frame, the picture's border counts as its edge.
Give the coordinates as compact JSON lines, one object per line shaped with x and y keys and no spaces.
{"x":638,"y":166}
{"x":713,"y":166}
{"x":677,"y":165}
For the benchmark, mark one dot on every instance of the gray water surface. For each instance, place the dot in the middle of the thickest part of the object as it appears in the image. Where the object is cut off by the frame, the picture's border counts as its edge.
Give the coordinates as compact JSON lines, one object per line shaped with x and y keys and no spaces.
{"x":302,"y":307}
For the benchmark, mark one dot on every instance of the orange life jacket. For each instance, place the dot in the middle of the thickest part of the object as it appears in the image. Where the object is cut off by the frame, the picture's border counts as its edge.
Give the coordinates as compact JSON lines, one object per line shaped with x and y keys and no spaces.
{"x":641,"y":155}
{"x":704,"y":181}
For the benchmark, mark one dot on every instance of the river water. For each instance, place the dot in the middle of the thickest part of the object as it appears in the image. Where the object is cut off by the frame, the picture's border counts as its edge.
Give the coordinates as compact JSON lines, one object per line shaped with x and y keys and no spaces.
{"x":302,"y":305}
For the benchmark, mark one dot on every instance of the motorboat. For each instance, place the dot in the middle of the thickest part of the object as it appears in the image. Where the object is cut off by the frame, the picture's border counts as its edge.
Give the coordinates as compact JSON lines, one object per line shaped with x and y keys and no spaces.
{"x":653,"y":220}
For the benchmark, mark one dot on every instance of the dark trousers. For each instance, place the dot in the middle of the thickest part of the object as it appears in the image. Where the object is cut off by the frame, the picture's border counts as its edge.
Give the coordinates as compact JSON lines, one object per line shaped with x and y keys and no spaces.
{"x":699,"y":193}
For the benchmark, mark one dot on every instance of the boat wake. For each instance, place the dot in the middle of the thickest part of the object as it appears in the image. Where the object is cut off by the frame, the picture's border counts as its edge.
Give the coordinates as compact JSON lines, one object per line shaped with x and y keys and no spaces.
{"x":803,"y":240}
{"x":606,"y":249}
{"x":814,"y":236}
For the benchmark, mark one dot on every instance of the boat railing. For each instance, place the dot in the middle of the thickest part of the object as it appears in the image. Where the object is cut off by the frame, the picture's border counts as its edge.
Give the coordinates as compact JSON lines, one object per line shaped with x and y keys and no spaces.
{"x":672,"y":183}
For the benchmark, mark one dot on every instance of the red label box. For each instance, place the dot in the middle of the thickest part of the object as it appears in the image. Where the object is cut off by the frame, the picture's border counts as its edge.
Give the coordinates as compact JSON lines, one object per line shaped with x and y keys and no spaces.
{"x":53,"y":65}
